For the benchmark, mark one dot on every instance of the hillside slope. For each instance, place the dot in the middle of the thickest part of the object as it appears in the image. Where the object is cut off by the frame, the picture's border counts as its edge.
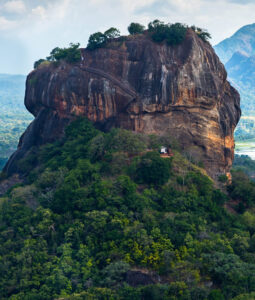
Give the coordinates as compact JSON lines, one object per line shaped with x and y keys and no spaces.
{"x":103,"y":216}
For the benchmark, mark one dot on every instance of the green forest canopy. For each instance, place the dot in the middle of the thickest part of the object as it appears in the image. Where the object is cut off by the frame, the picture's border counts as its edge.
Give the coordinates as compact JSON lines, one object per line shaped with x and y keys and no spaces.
{"x":93,"y":213}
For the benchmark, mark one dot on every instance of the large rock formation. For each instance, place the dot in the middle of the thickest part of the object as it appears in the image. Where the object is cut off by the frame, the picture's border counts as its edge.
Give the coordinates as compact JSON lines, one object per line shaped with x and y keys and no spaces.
{"x":142,"y":86}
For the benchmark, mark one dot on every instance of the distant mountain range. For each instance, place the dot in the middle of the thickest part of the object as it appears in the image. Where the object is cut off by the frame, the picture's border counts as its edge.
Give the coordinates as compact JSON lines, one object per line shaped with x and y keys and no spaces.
{"x":238,"y":55}
{"x":242,"y":41}
{"x":14,"y":117}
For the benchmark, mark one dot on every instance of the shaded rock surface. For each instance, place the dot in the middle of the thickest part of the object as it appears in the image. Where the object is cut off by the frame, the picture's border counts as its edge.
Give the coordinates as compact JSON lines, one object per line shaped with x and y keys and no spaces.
{"x":139,"y":85}
{"x":141,"y":277}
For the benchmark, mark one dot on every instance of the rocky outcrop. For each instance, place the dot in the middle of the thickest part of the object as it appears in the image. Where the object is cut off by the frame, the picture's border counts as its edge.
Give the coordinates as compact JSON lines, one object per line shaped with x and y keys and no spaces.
{"x":142,"y":86}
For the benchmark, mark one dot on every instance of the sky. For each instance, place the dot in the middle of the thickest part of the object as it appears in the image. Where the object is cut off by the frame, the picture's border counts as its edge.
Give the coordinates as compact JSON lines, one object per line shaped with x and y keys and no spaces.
{"x":30,"y":29}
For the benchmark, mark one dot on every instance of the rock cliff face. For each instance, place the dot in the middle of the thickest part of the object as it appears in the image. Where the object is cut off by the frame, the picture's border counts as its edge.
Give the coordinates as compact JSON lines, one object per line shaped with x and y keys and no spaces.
{"x":142,"y":86}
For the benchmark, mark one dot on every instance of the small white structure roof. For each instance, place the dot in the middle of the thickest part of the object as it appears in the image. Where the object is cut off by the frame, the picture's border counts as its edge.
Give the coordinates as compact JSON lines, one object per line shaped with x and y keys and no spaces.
{"x":163,"y":150}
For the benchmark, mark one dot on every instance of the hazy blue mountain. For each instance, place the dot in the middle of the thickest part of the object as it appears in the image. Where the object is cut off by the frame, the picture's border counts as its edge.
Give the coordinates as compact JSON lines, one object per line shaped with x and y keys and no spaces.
{"x":14,"y":117}
{"x":241,"y":68}
{"x":241,"y":71}
{"x":238,"y":54}
{"x":242,"y":41}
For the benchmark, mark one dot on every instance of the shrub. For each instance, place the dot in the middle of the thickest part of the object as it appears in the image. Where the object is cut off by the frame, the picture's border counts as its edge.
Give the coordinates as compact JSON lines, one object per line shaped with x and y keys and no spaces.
{"x":250,"y":296}
{"x":173,"y":34}
{"x":242,"y":188}
{"x":215,"y":295}
{"x":28,"y":162}
{"x":115,"y":273}
{"x":38,"y":62}
{"x":96,"y":40}
{"x":154,"y":24}
{"x":81,"y":127}
{"x":223,"y":178}
{"x":121,"y":140}
{"x":99,"y":39}
{"x":158,"y":31}
{"x":203,"y":184}
{"x":70,"y":54}
{"x":176,"y":34}
{"x":112,"y":33}
{"x":202,"y":33}
{"x":153,"y":169}
{"x":135,"y":28}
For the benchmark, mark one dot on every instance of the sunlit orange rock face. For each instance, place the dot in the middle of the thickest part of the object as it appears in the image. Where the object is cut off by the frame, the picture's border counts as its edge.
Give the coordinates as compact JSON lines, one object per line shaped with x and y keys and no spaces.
{"x":142,"y":86}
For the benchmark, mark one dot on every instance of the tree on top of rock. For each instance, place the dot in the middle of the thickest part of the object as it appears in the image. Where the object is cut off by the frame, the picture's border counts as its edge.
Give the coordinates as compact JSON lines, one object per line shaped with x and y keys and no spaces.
{"x":135,"y":28}
{"x":99,"y":39}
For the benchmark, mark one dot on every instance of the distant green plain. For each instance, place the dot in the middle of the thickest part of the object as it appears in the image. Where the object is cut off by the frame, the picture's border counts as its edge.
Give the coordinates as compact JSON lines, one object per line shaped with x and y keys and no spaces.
{"x":246,"y":144}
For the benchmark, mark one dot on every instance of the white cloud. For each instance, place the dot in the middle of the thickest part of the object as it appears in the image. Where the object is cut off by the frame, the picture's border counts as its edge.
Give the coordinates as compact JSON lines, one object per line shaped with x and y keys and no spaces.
{"x":221,"y":17}
{"x":39,"y":11}
{"x":186,"y":5}
{"x":6,"y":24}
{"x":15,"y":6}
{"x":50,"y":23}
